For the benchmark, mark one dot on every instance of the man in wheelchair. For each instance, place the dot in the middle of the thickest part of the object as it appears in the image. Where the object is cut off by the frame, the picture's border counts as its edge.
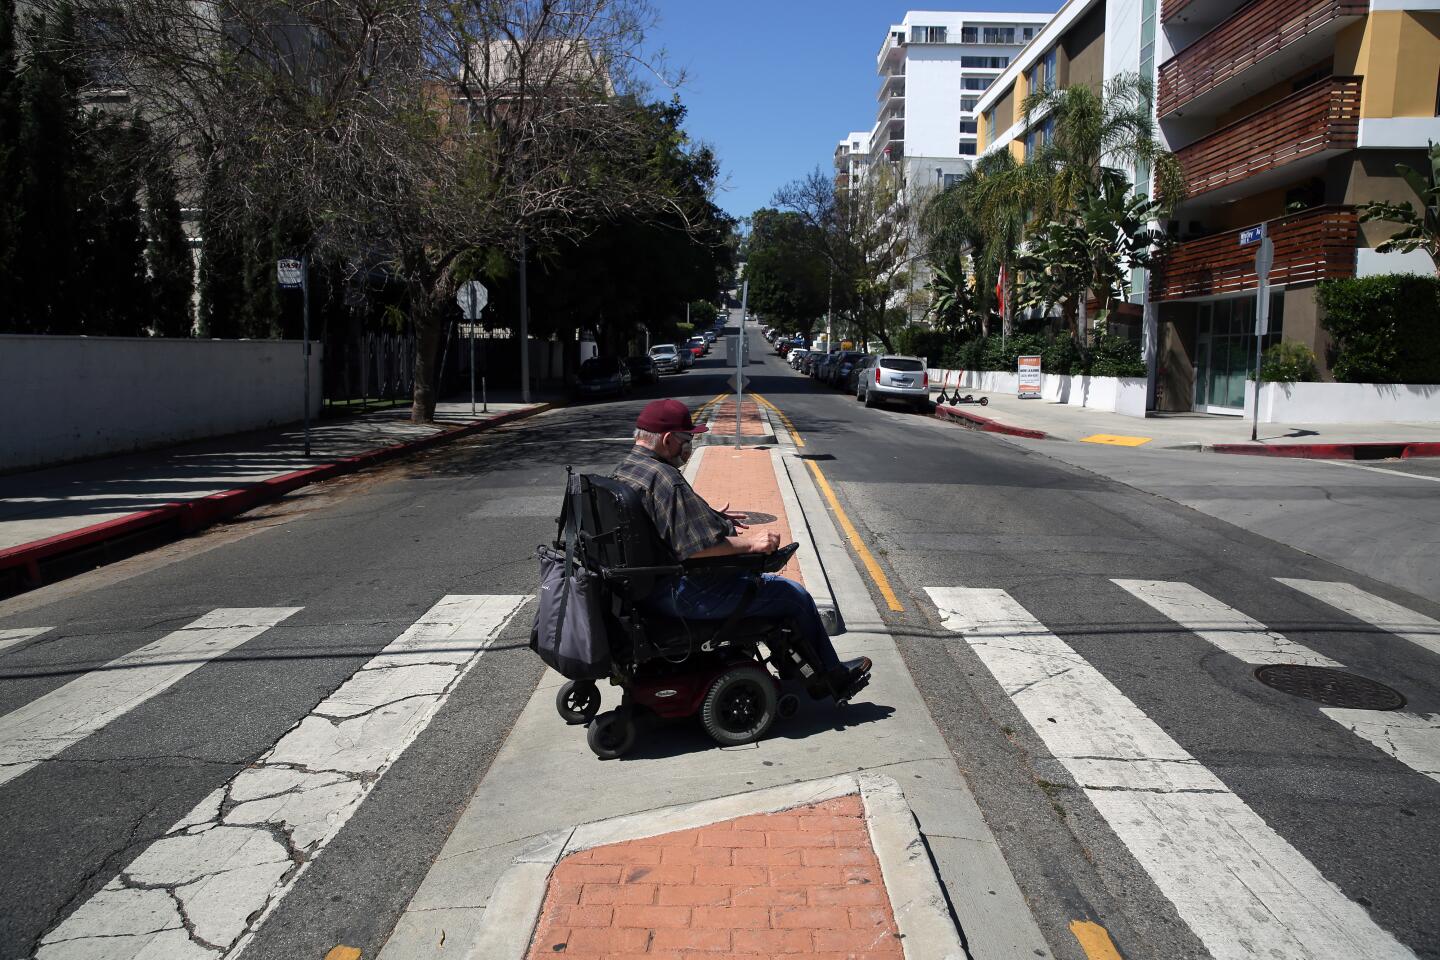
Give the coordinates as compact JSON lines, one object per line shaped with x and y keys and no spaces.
{"x":694,"y":530}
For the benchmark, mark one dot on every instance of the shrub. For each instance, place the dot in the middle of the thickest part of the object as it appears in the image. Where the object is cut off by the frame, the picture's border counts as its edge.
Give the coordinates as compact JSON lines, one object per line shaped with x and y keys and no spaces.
{"x":1061,"y":356}
{"x":1116,"y":357}
{"x":1386,"y":328}
{"x":1288,"y":362}
{"x":934,"y":345}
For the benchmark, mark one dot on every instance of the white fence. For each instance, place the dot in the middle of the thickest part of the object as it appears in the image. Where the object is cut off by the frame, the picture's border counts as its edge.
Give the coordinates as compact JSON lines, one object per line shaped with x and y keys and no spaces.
{"x":1346,"y":403}
{"x":67,"y":398}
{"x":1122,"y":395}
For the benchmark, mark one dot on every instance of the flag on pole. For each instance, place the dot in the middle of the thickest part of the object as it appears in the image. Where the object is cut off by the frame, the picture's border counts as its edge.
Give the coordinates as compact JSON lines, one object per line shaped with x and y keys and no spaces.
{"x":1000,"y":291}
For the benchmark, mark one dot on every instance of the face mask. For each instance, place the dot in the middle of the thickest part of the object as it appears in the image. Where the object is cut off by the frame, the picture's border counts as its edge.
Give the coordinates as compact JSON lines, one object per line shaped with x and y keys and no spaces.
{"x":683,"y":457}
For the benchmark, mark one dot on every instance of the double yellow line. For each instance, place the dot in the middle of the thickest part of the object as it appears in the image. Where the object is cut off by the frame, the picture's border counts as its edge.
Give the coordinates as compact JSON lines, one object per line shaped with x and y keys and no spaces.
{"x":872,"y":566}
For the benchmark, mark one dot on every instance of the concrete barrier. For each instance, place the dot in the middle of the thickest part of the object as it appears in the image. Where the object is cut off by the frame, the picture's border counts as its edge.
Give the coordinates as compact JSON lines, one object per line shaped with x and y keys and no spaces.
{"x":1123,"y":395}
{"x":69,"y":398}
{"x":1346,"y":403}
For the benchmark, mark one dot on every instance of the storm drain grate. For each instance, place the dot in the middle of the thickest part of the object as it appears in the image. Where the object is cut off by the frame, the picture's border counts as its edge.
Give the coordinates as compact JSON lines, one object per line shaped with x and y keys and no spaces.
{"x":1334,"y":688}
{"x":755,"y":516}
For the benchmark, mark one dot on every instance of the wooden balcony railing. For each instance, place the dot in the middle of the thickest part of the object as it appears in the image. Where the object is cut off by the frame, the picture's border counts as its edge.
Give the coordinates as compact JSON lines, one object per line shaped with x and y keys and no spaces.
{"x":1323,"y":116}
{"x":1314,"y":245}
{"x":1252,"y":33}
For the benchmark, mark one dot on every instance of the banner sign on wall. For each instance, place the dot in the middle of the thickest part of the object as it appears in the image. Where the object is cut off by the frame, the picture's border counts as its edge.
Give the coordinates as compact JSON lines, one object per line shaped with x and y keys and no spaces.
{"x":1029,"y":377}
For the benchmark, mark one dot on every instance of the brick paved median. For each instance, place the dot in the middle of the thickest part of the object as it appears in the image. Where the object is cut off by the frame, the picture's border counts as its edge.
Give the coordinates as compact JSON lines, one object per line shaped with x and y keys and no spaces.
{"x":745,"y":479}
{"x":801,"y":883}
{"x":752,"y":424}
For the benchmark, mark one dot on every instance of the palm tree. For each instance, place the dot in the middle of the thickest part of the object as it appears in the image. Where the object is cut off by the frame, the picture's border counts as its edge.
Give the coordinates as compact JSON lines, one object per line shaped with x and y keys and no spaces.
{"x":1092,"y":133}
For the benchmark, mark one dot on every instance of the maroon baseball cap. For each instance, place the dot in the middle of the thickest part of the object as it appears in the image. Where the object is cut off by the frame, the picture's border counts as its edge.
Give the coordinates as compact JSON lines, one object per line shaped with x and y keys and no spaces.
{"x":667,"y":416}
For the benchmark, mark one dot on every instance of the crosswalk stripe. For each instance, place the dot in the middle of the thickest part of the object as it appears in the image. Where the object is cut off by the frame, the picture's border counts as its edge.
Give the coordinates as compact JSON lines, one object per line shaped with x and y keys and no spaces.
{"x":206,"y":886}
{"x":1225,"y":627}
{"x":1411,"y":738}
{"x":45,"y":726}
{"x":1243,"y":890}
{"x":14,"y":635}
{"x":1391,"y":617}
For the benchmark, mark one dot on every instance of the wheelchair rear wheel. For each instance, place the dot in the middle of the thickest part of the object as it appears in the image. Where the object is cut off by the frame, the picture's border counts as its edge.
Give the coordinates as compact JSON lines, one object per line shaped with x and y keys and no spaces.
{"x":741,"y":705}
{"x":578,"y":701}
{"x":611,"y":734}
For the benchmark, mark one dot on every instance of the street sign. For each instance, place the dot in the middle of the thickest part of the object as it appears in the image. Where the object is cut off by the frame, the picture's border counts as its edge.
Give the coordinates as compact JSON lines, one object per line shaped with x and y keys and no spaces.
{"x":472,"y":297}
{"x":290,"y":273}
{"x":739,"y":383}
{"x":1251,"y":235}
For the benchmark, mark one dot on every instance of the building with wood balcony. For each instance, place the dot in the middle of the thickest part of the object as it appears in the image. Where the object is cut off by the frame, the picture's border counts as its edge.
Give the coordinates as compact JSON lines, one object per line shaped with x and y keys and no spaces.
{"x":1286,"y":113}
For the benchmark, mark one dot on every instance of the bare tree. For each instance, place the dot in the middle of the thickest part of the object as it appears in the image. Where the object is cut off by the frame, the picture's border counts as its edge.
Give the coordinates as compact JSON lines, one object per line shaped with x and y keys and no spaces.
{"x":864,"y":232}
{"x":403,"y":133}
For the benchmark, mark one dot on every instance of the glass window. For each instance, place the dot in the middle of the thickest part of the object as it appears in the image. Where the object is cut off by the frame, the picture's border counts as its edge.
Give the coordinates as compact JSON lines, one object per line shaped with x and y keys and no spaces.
{"x":1028,"y":33}
{"x":968,"y":104}
{"x":969,"y":126}
{"x":927,"y":34}
{"x":967,"y":148}
{"x":1048,"y":65}
{"x":999,"y":34}
{"x":985,"y":63}
{"x":902,"y":363}
{"x":976,"y":83}
{"x":990,"y":125}
{"x":969,"y":35}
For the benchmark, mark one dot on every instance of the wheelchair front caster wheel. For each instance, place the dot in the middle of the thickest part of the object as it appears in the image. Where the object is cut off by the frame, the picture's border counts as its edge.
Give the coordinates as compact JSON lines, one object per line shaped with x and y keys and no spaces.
{"x":789,"y":706}
{"x":611,"y":734}
{"x":578,"y":701}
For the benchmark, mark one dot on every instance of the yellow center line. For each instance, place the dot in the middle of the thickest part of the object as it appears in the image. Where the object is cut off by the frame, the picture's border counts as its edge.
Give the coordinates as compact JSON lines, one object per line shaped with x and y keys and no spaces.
{"x":707,"y":405}
{"x":794,"y":434}
{"x":1095,"y":940}
{"x":853,"y":536}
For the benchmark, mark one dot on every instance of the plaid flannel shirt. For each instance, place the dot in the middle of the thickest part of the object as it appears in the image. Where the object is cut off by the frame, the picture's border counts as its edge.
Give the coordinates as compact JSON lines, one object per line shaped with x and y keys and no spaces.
{"x":681,"y":516}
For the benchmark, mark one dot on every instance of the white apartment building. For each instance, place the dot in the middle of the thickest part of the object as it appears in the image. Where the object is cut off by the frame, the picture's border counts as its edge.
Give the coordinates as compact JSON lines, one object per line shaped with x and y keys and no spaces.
{"x":933,"y":66}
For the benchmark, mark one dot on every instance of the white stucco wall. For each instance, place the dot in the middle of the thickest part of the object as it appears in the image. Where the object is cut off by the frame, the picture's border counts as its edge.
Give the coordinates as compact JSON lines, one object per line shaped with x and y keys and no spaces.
{"x":932,"y":101}
{"x":66,"y":398}
{"x":1122,"y":395}
{"x":1346,"y":403}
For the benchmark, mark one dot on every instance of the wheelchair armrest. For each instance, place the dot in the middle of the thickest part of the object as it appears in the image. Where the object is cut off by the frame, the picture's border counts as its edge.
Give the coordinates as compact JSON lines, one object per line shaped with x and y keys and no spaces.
{"x":624,"y":573}
{"x":744,"y":562}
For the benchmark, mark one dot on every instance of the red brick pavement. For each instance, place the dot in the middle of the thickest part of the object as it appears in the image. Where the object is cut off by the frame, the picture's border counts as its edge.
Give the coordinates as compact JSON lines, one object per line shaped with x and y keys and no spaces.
{"x":751,"y":423}
{"x":801,"y":883}
{"x":745,"y":479}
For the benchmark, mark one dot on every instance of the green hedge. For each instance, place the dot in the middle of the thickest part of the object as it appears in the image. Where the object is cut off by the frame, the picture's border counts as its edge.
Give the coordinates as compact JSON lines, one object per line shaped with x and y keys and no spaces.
{"x":1109,"y":356}
{"x":1287,"y":362}
{"x":1386,"y":329}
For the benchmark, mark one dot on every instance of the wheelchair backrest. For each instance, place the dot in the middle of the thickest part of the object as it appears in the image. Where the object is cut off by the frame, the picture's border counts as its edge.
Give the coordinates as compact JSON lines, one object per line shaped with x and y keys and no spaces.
{"x":616,"y":531}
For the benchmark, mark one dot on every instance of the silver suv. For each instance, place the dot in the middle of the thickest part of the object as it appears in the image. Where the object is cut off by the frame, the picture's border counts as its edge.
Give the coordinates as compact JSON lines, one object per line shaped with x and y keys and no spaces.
{"x":892,"y":377}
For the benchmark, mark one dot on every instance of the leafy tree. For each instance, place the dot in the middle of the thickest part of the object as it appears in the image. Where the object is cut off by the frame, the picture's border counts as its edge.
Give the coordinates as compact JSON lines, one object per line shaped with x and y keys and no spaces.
{"x":790,"y":278}
{"x":9,"y":155}
{"x":1419,"y":229}
{"x":955,"y":302}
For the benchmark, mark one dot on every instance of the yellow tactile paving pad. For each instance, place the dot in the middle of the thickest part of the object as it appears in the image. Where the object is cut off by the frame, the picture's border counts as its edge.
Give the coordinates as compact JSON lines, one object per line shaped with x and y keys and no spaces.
{"x":1115,"y":440}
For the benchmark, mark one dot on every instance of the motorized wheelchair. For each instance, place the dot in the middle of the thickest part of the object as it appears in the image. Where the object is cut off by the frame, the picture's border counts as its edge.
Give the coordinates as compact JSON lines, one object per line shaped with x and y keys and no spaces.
{"x":738,"y":674}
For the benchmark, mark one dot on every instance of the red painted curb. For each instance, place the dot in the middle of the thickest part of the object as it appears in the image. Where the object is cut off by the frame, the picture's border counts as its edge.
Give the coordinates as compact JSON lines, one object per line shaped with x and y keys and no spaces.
{"x":973,"y":420}
{"x":1332,"y":451}
{"x":193,"y":515}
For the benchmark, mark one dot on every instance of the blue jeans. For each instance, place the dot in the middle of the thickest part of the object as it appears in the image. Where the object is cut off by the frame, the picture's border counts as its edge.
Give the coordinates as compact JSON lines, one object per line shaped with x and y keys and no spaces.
{"x":715,"y":598}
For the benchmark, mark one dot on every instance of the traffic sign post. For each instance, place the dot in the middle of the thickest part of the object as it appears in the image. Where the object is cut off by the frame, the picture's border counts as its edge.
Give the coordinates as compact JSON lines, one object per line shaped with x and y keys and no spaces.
{"x":740,"y":358}
{"x":291,"y":275}
{"x":1264,"y":260}
{"x":473,"y":297}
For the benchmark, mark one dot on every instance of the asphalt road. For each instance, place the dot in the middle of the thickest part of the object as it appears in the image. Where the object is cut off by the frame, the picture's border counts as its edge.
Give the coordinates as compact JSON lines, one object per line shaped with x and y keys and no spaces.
{"x":940,"y":507}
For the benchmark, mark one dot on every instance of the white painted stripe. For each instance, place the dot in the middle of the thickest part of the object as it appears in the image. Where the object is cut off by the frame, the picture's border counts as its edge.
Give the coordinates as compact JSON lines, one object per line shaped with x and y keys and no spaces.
{"x":206,"y":886}
{"x":44,"y":727}
{"x":1391,"y":617}
{"x":8,"y":638}
{"x":1411,"y":738}
{"x":1240,"y":886}
{"x":1228,"y":629}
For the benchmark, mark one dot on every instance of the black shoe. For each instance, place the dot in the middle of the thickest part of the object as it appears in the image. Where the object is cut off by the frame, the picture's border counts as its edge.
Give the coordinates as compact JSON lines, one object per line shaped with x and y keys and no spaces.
{"x":843,"y":682}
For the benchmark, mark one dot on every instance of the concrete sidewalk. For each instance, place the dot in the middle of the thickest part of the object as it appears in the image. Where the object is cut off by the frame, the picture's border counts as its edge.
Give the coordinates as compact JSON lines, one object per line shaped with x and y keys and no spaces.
{"x":47,"y":512}
{"x":1189,"y":431}
{"x":702,"y":871}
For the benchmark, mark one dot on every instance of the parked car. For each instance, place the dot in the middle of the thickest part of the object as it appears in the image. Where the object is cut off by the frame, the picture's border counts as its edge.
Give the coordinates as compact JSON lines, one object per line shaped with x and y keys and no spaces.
{"x":839,"y":372}
{"x":709,"y":336}
{"x":784,"y":347}
{"x":821,"y":369}
{"x":808,"y":363}
{"x":856,"y":371}
{"x":698,"y":346}
{"x":643,"y":370}
{"x":896,"y":378}
{"x":795,"y":356}
{"x":687,"y":355}
{"x":600,"y":377}
{"x":666,"y":357}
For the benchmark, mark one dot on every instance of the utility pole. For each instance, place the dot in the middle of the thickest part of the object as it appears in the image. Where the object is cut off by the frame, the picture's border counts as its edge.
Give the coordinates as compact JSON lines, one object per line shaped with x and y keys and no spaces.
{"x":1264,"y":260}
{"x":524,"y":324}
{"x":740,"y":342}
{"x":305,"y":335}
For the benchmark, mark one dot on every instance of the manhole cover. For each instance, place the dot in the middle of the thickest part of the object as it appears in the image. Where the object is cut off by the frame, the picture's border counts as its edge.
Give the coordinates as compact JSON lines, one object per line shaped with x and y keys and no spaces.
{"x":1334,"y":688}
{"x":754,"y":516}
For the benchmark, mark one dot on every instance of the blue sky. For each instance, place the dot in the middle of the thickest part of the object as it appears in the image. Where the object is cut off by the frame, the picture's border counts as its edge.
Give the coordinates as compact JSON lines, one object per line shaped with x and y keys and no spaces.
{"x":774,"y":85}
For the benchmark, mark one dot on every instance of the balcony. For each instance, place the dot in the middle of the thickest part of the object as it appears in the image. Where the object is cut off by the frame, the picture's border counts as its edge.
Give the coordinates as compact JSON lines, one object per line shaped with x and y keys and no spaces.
{"x":1315,"y":122}
{"x":1313,"y":245}
{"x":892,"y":86}
{"x":1261,"y":32}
